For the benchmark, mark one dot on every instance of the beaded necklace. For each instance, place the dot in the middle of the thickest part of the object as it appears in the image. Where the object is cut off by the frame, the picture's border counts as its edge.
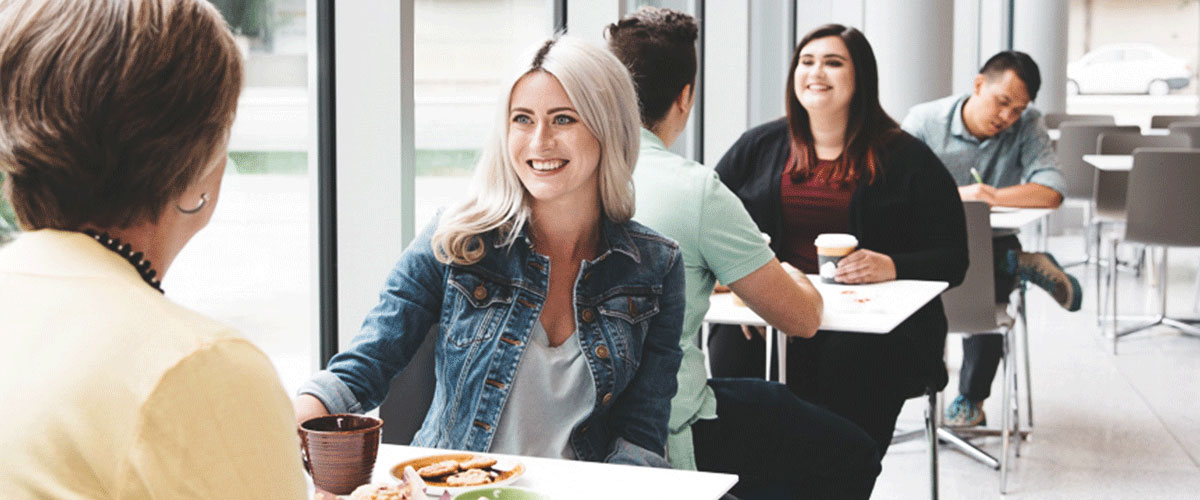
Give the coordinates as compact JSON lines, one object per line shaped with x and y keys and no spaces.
{"x":126,"y":252}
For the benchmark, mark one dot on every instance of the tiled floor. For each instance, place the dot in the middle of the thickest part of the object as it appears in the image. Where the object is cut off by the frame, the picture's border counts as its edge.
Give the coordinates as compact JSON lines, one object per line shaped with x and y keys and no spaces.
{"x":1106,"y":427}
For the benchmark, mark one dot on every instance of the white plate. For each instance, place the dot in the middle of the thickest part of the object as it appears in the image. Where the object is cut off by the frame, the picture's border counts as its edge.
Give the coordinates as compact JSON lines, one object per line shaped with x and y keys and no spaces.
{"x":509,"y":471}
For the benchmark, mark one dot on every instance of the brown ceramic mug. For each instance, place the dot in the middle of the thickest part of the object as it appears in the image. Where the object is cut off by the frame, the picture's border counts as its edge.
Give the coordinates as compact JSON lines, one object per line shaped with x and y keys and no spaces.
{"x":339,"y":450}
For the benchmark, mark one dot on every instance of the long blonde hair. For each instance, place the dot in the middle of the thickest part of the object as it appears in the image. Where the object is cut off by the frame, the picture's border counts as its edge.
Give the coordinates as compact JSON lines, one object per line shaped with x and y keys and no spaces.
{"x":600,"y":88}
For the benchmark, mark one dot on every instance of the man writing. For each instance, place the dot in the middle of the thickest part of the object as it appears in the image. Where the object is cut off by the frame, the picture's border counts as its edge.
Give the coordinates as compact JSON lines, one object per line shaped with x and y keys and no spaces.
{"x":998,"y":151}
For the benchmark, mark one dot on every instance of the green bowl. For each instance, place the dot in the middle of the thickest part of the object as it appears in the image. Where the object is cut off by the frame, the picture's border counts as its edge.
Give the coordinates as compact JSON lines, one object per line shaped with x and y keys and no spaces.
{"x":500,"y":493}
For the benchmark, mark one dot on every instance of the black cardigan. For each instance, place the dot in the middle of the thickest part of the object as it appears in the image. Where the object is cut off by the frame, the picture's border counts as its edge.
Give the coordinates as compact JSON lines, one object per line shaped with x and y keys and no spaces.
{"x":912,"y":213}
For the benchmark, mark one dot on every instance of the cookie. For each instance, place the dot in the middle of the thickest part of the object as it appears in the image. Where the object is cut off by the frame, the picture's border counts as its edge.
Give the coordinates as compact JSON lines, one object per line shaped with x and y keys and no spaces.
{"x":473,"y":477}
{"x":477,"y":462}
{"x":439,"y":469}
{"x":380,"y":492}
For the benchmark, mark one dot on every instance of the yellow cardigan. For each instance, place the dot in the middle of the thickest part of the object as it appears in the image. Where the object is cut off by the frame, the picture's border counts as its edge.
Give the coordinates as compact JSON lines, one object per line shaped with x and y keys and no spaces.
{"x":110,"y":390}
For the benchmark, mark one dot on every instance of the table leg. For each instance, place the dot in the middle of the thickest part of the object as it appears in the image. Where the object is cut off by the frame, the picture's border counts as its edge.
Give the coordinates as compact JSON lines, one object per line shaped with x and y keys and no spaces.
{"x":705,"y":331}
{"x":781,"y":339}
{"x":767,"y":365}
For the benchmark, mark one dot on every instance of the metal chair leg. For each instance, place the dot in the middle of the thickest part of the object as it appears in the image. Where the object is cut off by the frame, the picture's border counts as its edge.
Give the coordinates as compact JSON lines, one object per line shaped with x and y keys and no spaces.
{"x":1005,"y":415}
{"x":931,"y":432}
{"x":1028,"y":370}
{"x":1112,"y":289}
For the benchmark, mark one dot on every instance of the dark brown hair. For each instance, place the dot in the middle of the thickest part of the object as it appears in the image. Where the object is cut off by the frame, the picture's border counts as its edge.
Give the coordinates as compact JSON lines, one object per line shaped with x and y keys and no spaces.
{"x":659,"y":48}
{"x":868,"y":127}
{"x":110,"y":109}
{"x":1020,"y":63}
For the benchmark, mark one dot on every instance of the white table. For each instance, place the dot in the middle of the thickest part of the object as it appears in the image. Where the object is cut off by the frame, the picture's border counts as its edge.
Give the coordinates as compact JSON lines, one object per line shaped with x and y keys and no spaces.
{"x":1005,"y":220}
{"x":1017,"y":218}
{"x":578,"y":479}
{"x":1110,"y":163}
{"x":877,"y":308}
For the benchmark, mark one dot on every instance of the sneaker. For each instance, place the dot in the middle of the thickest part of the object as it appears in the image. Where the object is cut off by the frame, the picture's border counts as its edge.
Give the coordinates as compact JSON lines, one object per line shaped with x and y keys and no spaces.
{"x":964,"y":413}
{"x":1042,"y":270}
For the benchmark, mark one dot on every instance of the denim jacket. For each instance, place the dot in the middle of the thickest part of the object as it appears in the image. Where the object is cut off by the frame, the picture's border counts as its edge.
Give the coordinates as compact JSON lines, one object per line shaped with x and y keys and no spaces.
{"x":629,"y":304}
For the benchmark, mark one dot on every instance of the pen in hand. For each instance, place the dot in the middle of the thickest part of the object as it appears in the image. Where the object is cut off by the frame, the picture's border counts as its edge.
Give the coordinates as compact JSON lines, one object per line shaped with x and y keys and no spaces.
{"x":975,"y":173}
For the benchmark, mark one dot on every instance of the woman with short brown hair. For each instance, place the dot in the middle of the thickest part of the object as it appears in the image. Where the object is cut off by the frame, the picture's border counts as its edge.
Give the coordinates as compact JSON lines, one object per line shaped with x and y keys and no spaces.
{"x":114,"y":119}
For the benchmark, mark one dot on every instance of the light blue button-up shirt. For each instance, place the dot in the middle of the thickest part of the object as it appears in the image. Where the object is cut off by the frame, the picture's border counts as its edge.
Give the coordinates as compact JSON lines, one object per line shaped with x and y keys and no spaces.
{"x":1019,"y":154}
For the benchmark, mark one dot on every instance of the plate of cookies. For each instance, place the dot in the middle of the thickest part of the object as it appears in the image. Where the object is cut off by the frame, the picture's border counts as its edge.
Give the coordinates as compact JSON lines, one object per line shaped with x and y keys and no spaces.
{"x":454,"y":472}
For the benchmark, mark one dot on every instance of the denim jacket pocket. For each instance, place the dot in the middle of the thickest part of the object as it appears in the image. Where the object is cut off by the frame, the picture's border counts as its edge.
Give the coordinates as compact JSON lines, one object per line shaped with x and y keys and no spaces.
{"x":630,"y":316}
{"x":474,"y":307}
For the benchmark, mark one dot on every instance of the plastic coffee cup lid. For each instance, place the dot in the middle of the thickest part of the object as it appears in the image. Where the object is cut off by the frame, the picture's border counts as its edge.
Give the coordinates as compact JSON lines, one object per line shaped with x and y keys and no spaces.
{"x":836,"y":240}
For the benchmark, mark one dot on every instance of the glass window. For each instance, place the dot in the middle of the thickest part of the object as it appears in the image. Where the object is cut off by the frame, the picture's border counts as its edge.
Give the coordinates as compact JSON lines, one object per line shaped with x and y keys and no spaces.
{"x":251,"y":267}
{"x":688,"y":144}
{"x":8,"y":221}
{"x":463,"y":51}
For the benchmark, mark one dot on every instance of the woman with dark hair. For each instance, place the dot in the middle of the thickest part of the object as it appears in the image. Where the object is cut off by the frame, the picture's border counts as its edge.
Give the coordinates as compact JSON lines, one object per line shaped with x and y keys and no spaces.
{"x":839,"y":164}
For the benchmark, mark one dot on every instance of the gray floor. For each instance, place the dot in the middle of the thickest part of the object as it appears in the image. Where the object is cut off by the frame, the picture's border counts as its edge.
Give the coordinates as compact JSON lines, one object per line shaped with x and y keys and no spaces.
{"x":1106,"y":427}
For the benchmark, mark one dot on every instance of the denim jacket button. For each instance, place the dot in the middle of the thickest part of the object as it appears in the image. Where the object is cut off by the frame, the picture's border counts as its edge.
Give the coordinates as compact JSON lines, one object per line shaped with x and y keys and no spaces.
{"x":588,"y":316}
{"x":480,"y":293}
{"x":602,"y":351}
{"x":606,"y":399}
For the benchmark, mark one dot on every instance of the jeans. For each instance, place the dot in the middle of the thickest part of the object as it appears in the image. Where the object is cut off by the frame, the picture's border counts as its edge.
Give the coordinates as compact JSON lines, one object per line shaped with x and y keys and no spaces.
{"x":982,"y":353}
{"x":781,"y":446}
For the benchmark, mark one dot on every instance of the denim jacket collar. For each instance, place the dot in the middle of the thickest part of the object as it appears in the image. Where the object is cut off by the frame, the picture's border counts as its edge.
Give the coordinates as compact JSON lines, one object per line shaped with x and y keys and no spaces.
{"x":615,"y":235}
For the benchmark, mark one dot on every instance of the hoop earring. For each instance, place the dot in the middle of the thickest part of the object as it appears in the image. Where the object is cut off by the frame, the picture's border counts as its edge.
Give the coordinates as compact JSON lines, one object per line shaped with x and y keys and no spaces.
{"x":203,"y":201}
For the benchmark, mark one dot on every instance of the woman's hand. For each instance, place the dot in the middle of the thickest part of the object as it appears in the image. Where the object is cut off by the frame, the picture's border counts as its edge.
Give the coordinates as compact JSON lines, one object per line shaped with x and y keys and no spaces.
{"x":865,"y":266}
{"x":308,"y":406}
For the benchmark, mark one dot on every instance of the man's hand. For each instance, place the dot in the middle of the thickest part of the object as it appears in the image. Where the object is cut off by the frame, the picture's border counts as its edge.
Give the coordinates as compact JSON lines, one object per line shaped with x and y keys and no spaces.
{"x":865,"y":266}
{"x":749,"y":331}
{"x":978,"y":192}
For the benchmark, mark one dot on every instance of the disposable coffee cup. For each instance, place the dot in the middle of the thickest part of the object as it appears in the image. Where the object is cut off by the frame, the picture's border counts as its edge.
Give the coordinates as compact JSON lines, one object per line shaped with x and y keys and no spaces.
{"x":831,"y":247}
{"x":339,"y":450}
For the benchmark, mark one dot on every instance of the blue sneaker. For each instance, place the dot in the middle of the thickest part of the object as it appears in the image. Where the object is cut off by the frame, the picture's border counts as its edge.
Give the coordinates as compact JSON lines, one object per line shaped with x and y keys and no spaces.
{"x":1042,"y":270}
{"x":964,"y":413}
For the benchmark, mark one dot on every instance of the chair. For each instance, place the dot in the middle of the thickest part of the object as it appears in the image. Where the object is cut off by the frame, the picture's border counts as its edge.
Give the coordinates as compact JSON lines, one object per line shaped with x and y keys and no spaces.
{"x":930,"y":433}
{"x":410,"y":394}
{"x":1108,"y":192}
{"x":1053,"y":120}
{"x":1077,"y":139}
{"x":1165,"y":121}
{"x":972,"y":308}
{"x":1161,"y":208}
{"x":1191,"y":130}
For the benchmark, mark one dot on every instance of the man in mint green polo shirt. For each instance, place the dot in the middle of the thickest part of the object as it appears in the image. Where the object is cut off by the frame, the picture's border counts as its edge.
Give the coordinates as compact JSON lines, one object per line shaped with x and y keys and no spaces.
{"x":779,"y":445}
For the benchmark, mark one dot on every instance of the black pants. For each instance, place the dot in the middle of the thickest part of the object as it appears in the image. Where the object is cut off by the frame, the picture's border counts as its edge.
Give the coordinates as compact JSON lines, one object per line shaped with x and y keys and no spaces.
{"x":781,"y":446}
{"x":857,"y":376}
{"x":982,"y":353}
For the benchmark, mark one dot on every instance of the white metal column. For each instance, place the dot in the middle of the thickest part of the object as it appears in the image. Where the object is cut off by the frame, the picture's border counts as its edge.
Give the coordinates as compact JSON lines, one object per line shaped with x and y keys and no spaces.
{"x":913,"y":42}
{"x":373,"y":47}
{"x":1040,"y":29}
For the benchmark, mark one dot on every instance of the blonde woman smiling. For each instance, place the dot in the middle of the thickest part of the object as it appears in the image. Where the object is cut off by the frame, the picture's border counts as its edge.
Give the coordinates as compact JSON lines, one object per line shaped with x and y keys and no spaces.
{"x":557,"y":317}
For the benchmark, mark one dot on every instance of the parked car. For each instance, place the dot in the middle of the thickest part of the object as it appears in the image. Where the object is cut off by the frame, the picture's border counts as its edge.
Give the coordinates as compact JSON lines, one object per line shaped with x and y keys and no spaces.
{"x":1131,"y":68}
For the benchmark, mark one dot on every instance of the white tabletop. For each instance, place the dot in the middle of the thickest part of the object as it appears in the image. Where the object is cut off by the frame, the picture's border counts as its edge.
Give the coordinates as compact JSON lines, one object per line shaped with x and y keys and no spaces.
{"x":874,"y":308}
{"x":1016,"y":218}
{"x":577,"y":479}
{"x":1111,"y":163}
